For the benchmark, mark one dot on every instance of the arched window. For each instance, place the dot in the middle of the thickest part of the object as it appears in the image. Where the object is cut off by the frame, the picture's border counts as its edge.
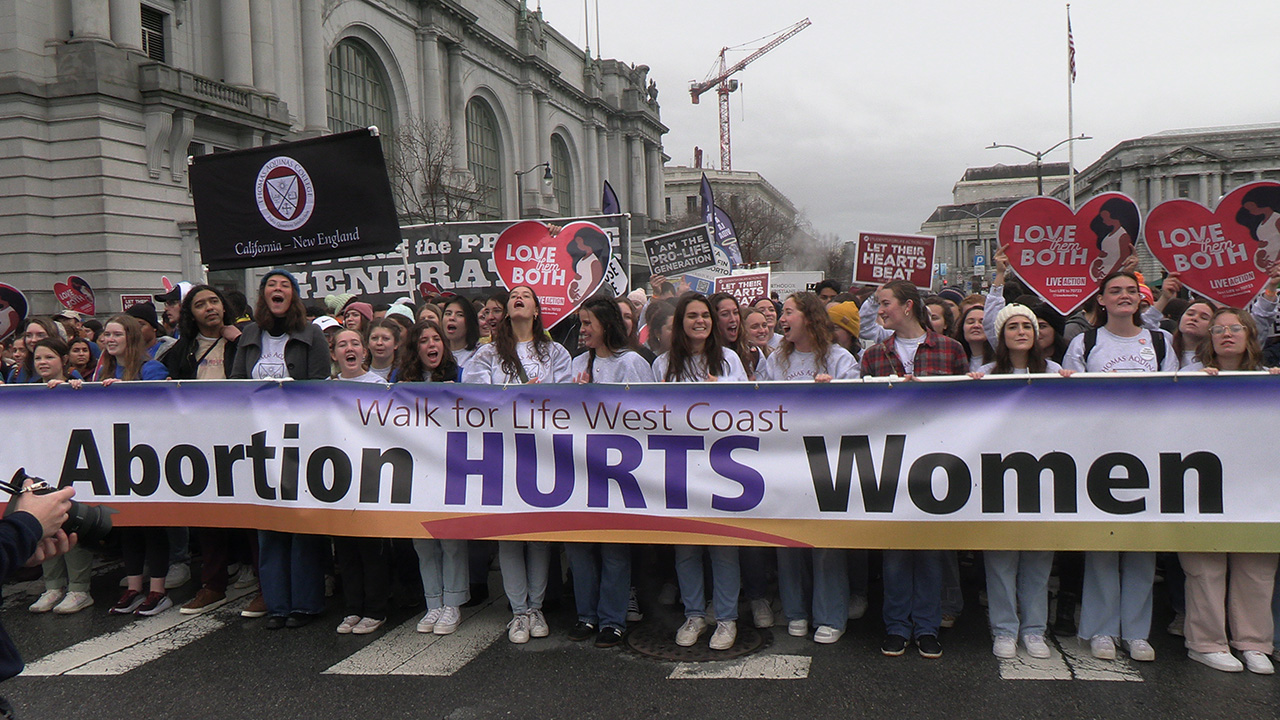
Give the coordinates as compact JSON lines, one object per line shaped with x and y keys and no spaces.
{"x":484,"y":158}
{"x":561,"y":175}
{"x":358,"y":95}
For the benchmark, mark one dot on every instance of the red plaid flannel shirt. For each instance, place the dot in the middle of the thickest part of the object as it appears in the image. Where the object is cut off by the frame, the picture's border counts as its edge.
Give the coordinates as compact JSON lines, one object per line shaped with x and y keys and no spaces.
{"x":937,"y":355}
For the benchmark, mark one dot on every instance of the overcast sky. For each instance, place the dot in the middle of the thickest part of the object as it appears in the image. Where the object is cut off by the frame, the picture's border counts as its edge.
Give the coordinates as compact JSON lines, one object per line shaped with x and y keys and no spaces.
{"x":868,"y":118}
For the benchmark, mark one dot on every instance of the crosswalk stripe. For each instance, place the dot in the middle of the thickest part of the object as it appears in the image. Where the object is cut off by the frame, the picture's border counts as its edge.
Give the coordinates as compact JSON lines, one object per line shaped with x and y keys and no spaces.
{"x":1025,"y":667}
{"x":752,"y":667}
{"x":138,"y":643}
{"x":1084,"y":666}
{"x":405,"y":651}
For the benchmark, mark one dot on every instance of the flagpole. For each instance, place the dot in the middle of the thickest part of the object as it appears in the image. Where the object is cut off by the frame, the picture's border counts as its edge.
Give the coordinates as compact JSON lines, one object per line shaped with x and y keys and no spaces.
{"x":1071,"y":129}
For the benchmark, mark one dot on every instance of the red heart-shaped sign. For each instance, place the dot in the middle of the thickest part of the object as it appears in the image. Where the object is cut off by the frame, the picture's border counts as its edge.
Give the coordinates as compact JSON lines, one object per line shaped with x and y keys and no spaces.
{"x":75,"y":294}
{"x":1224,"y":255}
{"x":563,"y":271}
{"x":1062,"y":255}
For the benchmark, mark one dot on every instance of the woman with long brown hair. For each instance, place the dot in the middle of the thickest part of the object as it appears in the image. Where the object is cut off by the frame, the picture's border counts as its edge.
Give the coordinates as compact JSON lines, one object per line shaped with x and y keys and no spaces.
{"x":809,"y":353}
{"x":521,"y":352}
{"x":696,"y":355}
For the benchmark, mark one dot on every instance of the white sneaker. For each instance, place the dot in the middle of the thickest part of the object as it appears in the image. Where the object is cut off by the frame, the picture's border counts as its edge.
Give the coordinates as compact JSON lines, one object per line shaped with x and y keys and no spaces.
{"x":47,"y":600}
{"x":348,"y":624}
{"x":761,"y":613}
{"x":518,"y":629}
{"x":367,"y":626}
{"x":1258,"y":662}
{"x":1140,"y":650}
{"x":428,"y":622}
{"x":1005,"y":646}
{"x":826,"y":635}
{"x":246,"y":578}
{"x":179,"y":574}
{"x":449,"y":619}
{"x":1102,"y":647}
{"x":690,"y":631}
{"x":538,"y":624}
{"x":725,"y":635}
{"x":1036,"y":646}
{"x":798,"y":628}
{"x":74,"y":602}
{"x":1224,"y":661}
{"x":857,"y":607}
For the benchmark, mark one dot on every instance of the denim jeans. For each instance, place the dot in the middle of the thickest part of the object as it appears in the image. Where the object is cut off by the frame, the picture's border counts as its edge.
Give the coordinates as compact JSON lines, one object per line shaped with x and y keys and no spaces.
{"x":725,"y":580}
{"x":821,"y":574}
{"x":524,"y":573}
{"x":291,"y":568}
{"x":443,"y":565}
{"x":601,"y":582}
{"x":913,"y":592}
{"x":1117,"y":595}
{"x":1018,"y":591}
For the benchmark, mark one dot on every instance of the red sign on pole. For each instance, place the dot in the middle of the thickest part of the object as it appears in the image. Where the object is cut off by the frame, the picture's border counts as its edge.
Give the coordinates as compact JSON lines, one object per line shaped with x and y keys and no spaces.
{"x":745,"y":288}
{"x":128,"y":301}
{"x":882,"y":258}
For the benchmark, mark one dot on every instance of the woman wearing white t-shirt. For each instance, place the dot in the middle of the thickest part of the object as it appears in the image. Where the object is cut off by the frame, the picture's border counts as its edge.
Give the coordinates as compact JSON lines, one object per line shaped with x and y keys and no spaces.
{"x":809,"y":352}
{"x":521,"y":352}
{"x":1118,"y":585}
{"x":696,"y":355}
{"x":1018,"y":580}
{"x":1230,"y":588}
{"x":602,"y":571}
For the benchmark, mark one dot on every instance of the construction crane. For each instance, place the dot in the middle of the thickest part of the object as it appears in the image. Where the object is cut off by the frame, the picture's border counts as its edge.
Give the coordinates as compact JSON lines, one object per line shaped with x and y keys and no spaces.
{"x":724,"y":85}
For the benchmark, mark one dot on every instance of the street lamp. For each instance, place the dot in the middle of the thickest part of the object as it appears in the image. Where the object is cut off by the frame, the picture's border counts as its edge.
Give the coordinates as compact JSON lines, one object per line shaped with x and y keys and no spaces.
{"x":977,"y":222}
{"x":546,"y":182}
{"x":1039,"y":156}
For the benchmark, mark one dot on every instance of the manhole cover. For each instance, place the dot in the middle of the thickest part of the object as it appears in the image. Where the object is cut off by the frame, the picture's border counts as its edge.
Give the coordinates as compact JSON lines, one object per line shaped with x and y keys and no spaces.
{"x":658,"y":640}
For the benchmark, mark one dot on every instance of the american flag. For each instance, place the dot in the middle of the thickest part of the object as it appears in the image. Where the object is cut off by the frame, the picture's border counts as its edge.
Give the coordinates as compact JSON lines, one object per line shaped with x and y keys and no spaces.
{"x":1071,"y":52}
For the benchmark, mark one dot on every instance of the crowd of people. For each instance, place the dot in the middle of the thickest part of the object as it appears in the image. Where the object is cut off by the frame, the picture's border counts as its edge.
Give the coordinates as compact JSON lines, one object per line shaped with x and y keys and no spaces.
{"x":1222,"y":601}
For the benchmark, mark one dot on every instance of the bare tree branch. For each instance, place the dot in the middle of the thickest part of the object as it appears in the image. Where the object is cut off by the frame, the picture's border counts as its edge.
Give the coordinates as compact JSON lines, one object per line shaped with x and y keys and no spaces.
{"x":426,"y":186}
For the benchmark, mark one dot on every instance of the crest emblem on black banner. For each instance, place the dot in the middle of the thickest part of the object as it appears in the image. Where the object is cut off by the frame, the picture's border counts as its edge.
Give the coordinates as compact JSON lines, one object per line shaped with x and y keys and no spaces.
{"x":285,"y":194}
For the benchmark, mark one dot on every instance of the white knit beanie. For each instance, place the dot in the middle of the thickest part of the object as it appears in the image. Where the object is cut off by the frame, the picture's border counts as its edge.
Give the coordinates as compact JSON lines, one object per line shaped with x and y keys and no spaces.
{"x":1013,"y":310}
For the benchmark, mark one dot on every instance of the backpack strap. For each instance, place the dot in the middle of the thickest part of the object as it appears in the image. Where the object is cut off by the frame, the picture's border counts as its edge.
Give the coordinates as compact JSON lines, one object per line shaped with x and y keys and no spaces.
{"x":1157,"y":344}
{"x":1090,"y":341}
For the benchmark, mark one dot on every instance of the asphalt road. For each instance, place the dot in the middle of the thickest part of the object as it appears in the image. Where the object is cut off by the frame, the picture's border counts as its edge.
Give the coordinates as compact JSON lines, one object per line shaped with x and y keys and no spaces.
{"x":218,"y":665}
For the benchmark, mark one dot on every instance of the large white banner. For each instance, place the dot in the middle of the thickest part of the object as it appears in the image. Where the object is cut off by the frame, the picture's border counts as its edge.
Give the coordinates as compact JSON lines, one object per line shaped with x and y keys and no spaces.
{"x":1166,"y":463}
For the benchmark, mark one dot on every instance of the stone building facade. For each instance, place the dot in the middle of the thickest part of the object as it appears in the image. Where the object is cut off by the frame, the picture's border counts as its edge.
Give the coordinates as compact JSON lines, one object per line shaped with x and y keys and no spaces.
{"x":101,"y":102}
{"x":966,"y":230}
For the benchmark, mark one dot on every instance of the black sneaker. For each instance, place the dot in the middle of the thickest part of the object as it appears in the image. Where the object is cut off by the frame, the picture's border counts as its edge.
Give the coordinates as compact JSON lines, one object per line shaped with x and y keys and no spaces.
{"x":893,"y":645}
{"x":929,"y":646}
{"x":609,"y":637}
{"x":582,"y":631}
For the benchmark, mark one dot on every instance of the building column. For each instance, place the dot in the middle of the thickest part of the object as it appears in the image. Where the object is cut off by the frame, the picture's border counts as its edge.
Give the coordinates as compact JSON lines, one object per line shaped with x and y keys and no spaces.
{"x":262,"y":24}
{"x":602,"y":150}
{"x":635,"y":151}
{"x":1204,"y":188}
{"x":1215,"y":186}
{"x":431,"y":101}
{"x":91,"y":21}
{"x":543,"y":135}
{"x":457,"y":109}
{"x":126,"y":24}
{"x":315,"y":66}
{"x":593,"y":190}
{"x":237,"y":44}
{"x":529,"y":194}
{"x":653,"y":171}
